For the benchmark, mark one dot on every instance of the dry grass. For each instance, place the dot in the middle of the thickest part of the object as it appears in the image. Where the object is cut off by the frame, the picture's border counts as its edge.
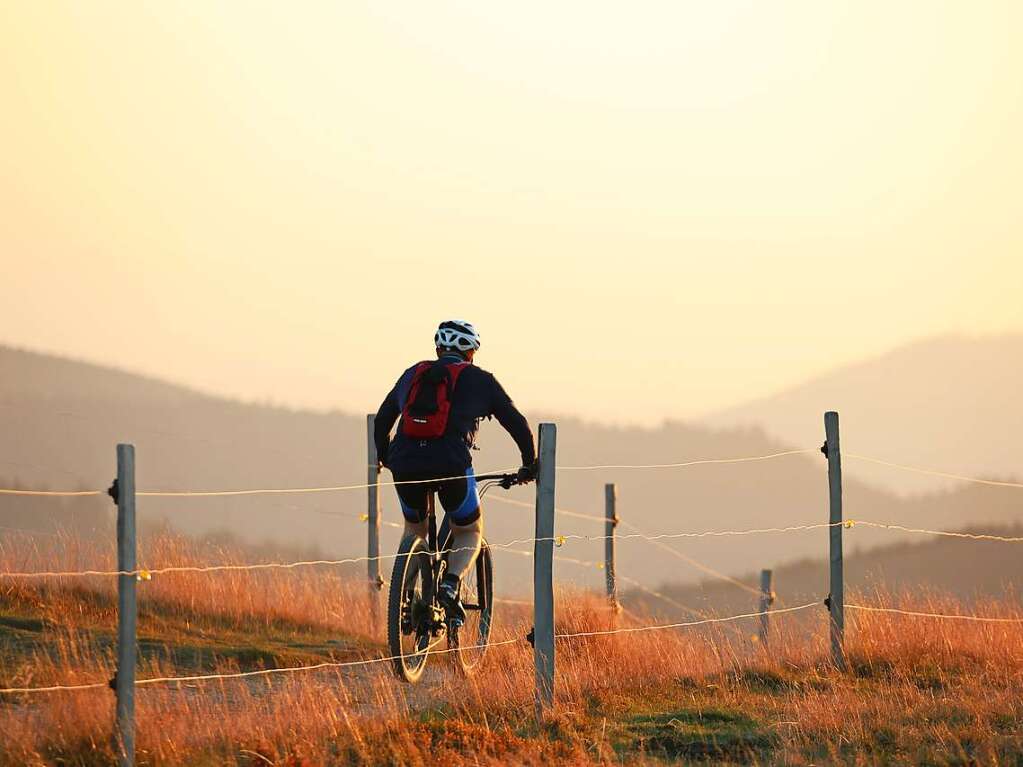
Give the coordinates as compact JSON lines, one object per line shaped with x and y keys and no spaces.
{"x":917,"y":691}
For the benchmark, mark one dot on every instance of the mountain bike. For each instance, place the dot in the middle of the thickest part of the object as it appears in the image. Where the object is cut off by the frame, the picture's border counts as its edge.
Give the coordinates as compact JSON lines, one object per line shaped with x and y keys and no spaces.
{"x":416,"y":622}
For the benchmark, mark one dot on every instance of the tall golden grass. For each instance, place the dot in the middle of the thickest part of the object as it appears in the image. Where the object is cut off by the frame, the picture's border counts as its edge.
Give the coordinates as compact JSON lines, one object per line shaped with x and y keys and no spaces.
{"x":917,"y":690}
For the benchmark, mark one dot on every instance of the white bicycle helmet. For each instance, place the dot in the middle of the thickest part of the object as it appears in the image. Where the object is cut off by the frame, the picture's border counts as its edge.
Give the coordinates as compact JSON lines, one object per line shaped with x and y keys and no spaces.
{"x":457,"y":334}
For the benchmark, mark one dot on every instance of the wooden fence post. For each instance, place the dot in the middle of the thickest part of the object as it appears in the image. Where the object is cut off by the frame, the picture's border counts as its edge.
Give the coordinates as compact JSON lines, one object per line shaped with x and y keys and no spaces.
{"x":127,"y":607}
{"x":543,"y":572}
{"x":766,"y":600}
{"x":610,"y":523}
{"x":373,"y":521}
{"x":836,"y":597}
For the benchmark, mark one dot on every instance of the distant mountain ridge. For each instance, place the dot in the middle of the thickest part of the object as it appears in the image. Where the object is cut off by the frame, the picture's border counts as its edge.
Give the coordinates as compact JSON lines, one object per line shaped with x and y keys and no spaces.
{"x":951,"y":403}
{"x":62,"y":419}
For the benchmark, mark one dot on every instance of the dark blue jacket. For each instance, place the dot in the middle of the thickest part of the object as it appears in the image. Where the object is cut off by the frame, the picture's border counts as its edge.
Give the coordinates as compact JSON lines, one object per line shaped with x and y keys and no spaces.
{"x":477,"y":395}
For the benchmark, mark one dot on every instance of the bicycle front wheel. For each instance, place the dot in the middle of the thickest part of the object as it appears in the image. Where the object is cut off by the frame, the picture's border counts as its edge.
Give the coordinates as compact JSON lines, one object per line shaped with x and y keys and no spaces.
{"x":469,"y":643}
{"x":409,"y":612}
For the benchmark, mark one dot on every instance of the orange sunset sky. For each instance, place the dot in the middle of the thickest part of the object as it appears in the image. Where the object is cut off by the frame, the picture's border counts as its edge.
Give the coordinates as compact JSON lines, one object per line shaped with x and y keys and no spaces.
{"x":650,"y":209}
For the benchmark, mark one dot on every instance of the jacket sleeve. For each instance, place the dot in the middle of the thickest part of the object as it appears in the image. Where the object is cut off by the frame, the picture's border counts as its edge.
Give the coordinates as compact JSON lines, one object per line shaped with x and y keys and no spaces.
{"x":387,"y":414}
{"x":514,"y":423}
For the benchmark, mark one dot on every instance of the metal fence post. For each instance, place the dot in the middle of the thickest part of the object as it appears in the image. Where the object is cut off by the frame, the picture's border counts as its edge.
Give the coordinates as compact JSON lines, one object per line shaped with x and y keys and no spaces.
{"x":836,"y":598}
{"x":543,"y":572}
{"x":373,"y":520}
{"x":127,"y":608}
{"x":610,"y":523}
{"x":766,"y":600}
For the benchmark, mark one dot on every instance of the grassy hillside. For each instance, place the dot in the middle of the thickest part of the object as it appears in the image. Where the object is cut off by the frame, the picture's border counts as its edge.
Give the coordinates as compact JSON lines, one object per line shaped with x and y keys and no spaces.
{"x":917,"y":690}
{"x":188,"y":620}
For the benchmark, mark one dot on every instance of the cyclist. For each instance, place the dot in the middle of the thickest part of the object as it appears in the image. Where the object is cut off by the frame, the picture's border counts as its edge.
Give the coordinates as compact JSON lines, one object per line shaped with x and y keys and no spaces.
{"x":441,"y":403}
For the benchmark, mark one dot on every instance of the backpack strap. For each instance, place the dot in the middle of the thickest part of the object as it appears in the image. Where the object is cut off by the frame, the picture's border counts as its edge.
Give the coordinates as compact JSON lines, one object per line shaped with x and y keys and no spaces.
{"x":419,"y":401}
{"x":454,"y":371}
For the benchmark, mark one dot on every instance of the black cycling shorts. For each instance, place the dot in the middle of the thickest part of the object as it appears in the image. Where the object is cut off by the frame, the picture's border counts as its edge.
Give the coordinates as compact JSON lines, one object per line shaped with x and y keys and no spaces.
{"x":459,"y":497}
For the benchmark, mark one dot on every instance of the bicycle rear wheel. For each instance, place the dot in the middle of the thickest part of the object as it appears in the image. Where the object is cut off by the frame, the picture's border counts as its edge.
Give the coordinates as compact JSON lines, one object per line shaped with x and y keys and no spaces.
{"x":409,"y":611}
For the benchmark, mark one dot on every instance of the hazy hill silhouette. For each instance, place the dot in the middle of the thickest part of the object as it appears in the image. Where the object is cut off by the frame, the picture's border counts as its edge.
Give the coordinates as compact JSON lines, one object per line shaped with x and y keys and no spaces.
{"x":951,"y":403}
{"x":61,"y":420}
{"x":972,"y":571}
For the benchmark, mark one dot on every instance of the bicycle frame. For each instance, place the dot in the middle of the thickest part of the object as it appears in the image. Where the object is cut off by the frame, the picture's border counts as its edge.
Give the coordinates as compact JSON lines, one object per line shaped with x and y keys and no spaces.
{"x":436,"y":555}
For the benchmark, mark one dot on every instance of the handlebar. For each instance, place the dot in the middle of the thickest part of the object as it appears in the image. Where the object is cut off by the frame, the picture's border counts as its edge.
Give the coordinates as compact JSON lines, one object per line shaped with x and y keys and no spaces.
{"x":504,"y":480}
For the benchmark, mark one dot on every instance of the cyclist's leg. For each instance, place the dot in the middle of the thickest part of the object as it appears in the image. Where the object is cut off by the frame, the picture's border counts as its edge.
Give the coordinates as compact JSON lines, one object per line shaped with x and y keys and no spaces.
{"x":461,"y":501}
{"x":413,"y":500}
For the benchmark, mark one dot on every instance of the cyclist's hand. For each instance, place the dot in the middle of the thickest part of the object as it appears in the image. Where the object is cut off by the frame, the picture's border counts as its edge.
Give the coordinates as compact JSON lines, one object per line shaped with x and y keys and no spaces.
{"x":527,"y":473}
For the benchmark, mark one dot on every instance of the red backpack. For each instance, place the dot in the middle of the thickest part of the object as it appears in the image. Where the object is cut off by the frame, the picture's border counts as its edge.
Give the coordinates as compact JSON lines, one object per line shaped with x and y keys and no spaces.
{"x":426,"y":411}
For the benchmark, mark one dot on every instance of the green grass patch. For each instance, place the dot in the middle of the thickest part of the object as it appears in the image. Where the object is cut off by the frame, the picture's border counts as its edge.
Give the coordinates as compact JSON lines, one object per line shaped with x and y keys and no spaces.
{"x":694,"y":734}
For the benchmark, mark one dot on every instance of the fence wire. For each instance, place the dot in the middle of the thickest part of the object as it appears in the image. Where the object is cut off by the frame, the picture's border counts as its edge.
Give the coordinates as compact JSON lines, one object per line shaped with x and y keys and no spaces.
{"x":942,"y":616}
{"x":389,"y":483}
{"x":557,"y":510}
{"x":391,"y":658}
{"x":559,"y":540}
{"x":562,"y":635}
{"x":685,"y":624}
{"x":946,"y":533}
{"x":594,"y":467}
{"x":932,"y":472}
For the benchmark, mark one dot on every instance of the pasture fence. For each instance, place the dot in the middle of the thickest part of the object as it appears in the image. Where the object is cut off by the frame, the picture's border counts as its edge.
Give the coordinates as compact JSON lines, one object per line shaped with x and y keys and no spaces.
{"x":544,"y":541}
